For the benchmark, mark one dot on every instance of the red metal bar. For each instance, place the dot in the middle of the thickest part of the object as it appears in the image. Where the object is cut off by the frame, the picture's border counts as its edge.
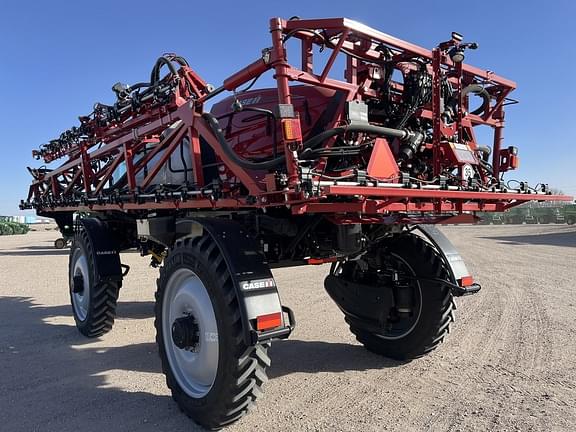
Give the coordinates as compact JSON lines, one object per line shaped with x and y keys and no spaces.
{"x":280,"y":65}
{"x":281,"y":68}
{"x":55,"y":187}
{"x":157,"y":125}
{"x":249,"y":72}
{"x":196,"y":154}
{"x":339,"y":24}
{"x":175,"y":204}
{"x":439,"y":193}
{"x":108,"y":173}
{"x":352,"y":70}
{"x":85,"y":166}
{"x":334,"y":54}
{"x":306,"y":78}
{"x":436,"y":107}
{"x":128,"y":157}
{"x":170,"y":144}
{"x":498,"y":138}
{"x":150,"y":155}
{"x":72,"y":182}
{"x":307,"y":55}
{"x":373,"y":207}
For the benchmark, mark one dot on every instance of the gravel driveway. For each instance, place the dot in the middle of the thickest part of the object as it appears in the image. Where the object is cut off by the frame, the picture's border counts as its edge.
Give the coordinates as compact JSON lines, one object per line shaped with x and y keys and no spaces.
{"x":509,"y":363}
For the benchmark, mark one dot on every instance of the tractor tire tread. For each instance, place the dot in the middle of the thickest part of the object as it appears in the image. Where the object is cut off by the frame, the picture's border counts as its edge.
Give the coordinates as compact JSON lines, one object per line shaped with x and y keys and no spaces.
{"x":247,"y":372}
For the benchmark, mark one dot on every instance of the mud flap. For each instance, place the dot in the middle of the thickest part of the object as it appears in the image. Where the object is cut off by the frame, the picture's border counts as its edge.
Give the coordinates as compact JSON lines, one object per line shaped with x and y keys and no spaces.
{"x":455,"y":262}
{"x":106,"y":255}
{"x":254,"y":284}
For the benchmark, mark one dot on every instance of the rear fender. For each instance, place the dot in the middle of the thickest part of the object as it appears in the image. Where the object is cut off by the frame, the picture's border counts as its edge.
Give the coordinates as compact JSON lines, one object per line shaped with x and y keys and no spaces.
{"x":254,"y":283}
{"x":106,"y":254}
{"x":454,"y":262}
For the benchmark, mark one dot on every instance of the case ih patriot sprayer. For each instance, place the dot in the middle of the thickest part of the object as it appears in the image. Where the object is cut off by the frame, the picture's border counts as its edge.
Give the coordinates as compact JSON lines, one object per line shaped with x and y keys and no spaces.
{"x":316,"y":170}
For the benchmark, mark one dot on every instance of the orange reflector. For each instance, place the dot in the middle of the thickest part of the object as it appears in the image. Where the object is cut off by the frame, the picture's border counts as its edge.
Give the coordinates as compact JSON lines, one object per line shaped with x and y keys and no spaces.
{"x":466,"y":281}
{"x":270,"y":321}
{"x":291,"y":129}
{"x":514,"y":161}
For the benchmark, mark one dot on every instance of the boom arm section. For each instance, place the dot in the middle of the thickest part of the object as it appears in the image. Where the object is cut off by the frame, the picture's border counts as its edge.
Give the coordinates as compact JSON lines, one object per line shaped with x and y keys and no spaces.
{"x":393,"y":142}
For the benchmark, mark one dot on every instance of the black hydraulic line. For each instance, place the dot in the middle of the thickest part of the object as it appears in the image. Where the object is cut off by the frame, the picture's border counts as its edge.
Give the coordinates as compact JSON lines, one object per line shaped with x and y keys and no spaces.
{"x":185,"y":170}
{"x":166,"y":60}
{"x":214,"y":92}
{"x":183,"y":159}
{"x":301,"y":234}
{"x":310,"y":144}
{"x":155,"y":75}
{"x":269,"y":115}
{"x":139,"y":85}
{"x":179,"y":59}
{"x":227,"y":149}
{"x":365,"y":128}
{"x":477,"y":89}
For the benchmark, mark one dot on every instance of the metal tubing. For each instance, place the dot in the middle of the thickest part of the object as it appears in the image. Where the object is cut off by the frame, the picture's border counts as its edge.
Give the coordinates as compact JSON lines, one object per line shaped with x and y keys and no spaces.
{"x":281,"y":67}
{"x":120,"y":131}
{"x":251,"y":71}
{"x":498,"y":139}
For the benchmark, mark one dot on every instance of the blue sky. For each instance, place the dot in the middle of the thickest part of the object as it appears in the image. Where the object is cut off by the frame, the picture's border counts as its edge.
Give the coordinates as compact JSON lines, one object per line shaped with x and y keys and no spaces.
{"x":59,"y":57}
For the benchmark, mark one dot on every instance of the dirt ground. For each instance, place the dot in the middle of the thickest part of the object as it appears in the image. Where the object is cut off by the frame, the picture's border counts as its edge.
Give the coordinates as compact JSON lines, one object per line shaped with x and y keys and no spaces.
{"x":509,"y":363}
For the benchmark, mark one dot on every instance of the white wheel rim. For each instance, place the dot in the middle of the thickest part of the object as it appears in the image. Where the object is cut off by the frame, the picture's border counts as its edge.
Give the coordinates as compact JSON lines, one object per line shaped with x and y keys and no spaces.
{"x":80,"y":300}
{"x":194,"y":369}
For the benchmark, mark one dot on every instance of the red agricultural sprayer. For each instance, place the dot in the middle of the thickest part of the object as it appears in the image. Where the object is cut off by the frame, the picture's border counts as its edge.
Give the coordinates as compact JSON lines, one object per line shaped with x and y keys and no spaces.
{"x":352,"y":172}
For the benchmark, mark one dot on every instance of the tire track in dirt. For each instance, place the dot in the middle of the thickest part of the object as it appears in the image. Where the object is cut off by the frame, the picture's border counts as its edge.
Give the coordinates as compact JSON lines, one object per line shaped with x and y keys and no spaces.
{"x":516,"y":343}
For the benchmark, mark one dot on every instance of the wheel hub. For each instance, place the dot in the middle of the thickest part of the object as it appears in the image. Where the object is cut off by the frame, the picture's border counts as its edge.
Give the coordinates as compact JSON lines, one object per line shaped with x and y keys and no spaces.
{"x":185,"y":333}
{"x":190,"y":332}
{"x":78,"y":284}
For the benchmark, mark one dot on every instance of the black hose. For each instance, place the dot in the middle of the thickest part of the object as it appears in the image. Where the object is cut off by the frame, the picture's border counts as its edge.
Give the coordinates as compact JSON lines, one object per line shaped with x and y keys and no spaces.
{"x":477,"y":89}
{"x":155,"y":75}
{"x":139,"y":86}
{"x":246,"y":164}
{"x":310,"y":144}
{"x":366,"y":128}
{"x":179,"y":59}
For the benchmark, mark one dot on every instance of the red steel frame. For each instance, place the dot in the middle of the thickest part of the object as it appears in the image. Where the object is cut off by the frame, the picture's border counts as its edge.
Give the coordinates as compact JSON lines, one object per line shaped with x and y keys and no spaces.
{"x":120,"y":142}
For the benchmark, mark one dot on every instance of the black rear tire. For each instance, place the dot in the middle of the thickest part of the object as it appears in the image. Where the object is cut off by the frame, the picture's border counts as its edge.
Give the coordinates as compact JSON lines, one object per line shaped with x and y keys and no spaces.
{"x":437,"y":303}
{"x":241,"y":369}
{"x":95,"y":316}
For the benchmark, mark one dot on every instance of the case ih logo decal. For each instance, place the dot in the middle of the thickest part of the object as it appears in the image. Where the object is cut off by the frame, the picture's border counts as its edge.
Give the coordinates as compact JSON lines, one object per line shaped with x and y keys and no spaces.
{"x":258,"y":284}
{"x":251,"y":101}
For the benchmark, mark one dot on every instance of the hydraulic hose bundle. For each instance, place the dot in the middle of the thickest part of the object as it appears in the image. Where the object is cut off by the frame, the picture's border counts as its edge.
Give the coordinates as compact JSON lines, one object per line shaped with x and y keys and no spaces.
{"x":312,"y":143}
